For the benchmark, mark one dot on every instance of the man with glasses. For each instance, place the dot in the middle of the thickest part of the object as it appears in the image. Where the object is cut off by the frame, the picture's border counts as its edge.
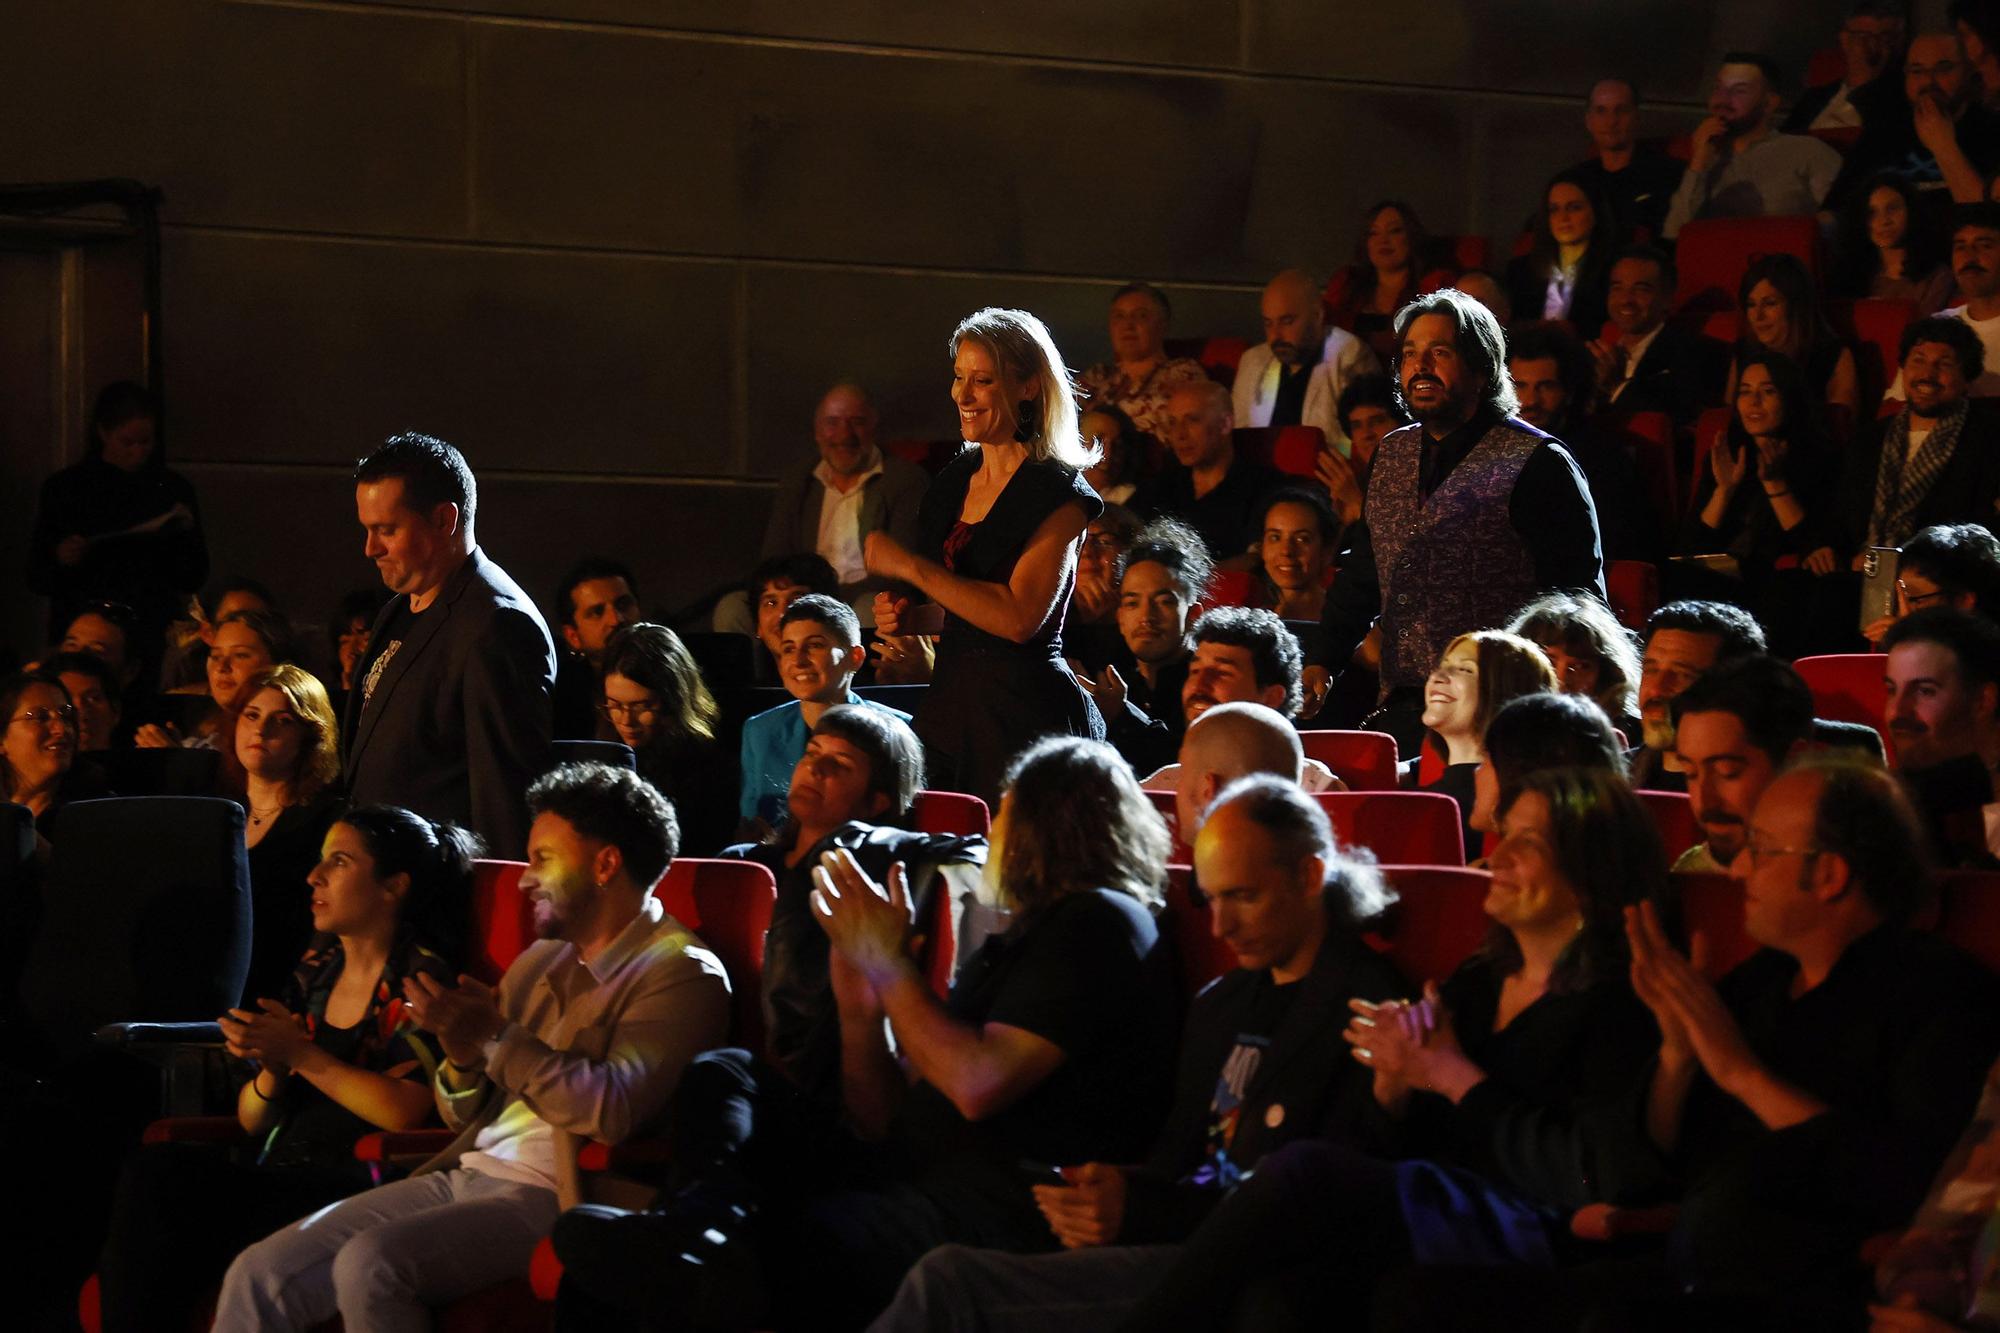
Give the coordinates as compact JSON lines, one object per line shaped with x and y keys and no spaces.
{"x":1942,"y":681}
{"x":1955,"y":564}
{"x":1809,"y":1095}
{"x":1975,"y":263}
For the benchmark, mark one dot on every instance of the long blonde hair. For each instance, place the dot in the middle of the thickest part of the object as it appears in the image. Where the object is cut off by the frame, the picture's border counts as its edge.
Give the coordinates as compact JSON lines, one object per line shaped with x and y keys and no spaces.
{"x":1027,"y":356}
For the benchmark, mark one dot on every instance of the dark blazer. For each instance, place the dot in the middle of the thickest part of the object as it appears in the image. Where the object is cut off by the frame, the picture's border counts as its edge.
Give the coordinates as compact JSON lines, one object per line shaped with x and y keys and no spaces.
{"x":1681,"y":375}
{"x":1527,"y":292}
{"x":889,"y":503}
{"x":1964,"y":493}
{"x":1306,"y":1086}
{"x":458,"y":724}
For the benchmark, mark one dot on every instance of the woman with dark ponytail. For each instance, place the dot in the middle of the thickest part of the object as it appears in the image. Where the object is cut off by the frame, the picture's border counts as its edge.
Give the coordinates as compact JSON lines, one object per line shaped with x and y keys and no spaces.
{"x":336,"y":1058}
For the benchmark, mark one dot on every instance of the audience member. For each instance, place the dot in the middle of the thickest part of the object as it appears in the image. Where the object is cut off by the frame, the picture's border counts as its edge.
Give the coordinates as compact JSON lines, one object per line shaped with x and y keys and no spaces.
{"x":852,"y":789}
{"x":1476,"y":676}
{"x":1780,"y":312}
{"x":1121,"y":453}
{"x":1228,"y":742}
{"x":1741,"y":165}
{"x":1800,"y":1118}
{"x":1055,"y":1047}
{"x":1469,"y":513}
{"x":1140,"y":376}
{"x":773,"y":585}
{"x":184,"y":669}
{"x":1256,"y":1073}
{"x":1000,"y":528}
{"x":1214,"y":489}
{"x":1369,"y":410}
{"x":657,"y":703}
{"x":1941,"y":712}
{"x":1955,"y":565}
{"x":829,"y":505}
{"x":1871,"y":45}
{"x":1735,"y":728}
{"x":452,"y":718}
{"x":1889,"y":247}
{"x":1975,"y":262}
{"x":592,"y":601}
{"x":585,"y":1037}
{"x":1635,"y":178}
{"x":1553,"y":378}
{"x":288,"y":744}
{"x":1532,"y":733}
{"x":1957,"y":144}
{"x":1091,"y":631}
{"x":1160,"y":580}
{"x":1484,"y":288}
{"x":246,"y":642}
{"x":94,"y":690}
{"x":1938,"y":1276}
{"x":1301,"y":538}
{"x":819,"y":652}
{"x":1652,"y":366}
{"x":1242,"y":653}
{"x":38,"y":752}
{"x":1564,"y":274}
{"x":348,"y":630}
{"x":1392,"y":266}
{"x":1296,"y":375}
{"x":1683,"y":640}
{"x":1978,"y":26}
{"x":1591,"y":653}
{"x":1509,"y":1081}
{"x":335,"y":1056}
{"x":120,"y":525}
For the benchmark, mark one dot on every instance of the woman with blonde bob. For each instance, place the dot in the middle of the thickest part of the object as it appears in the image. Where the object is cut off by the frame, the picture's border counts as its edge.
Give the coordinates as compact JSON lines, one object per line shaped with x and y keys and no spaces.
{"x":999,"y":534}
{"x":288,"y":744}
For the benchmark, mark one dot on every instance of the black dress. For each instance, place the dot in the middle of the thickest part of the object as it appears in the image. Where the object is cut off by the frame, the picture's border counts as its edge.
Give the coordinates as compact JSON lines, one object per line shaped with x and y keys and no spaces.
{"x":990,"y":697}
{"x":152,"y":573}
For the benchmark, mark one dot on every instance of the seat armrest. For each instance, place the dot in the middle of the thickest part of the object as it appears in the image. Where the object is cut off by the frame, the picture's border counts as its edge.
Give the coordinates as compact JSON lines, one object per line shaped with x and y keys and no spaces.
{"x":1604,"y":1222}
{"x":159,"y":1034}
{"x":631,"y":1155}
{"x":387,"y":1145}
{"x":194,"y":1129}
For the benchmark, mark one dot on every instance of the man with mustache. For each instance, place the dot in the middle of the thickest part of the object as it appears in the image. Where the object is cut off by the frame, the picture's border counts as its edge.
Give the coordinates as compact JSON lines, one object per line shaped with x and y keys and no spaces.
{"x":1469,"y":513}
{"x":1734,"y":730}
{"x":1684,"y":641}
{"x":1741,"y":166}
{"x":1296,"y":375}
{"x":1942,"y":693}
{"x":1975,"y":262}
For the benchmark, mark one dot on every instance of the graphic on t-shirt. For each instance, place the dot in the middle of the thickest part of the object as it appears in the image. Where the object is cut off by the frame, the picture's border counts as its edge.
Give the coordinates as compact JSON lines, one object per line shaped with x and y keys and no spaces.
{"x":375,"y":670}
{"x":1225,"y":1108}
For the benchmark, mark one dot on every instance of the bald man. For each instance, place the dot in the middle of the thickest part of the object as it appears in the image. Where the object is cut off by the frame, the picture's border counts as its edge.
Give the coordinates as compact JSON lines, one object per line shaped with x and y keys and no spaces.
{"x":1296,"y":375}
{"x":1211,"y":488}
{"x":1231,"y":741}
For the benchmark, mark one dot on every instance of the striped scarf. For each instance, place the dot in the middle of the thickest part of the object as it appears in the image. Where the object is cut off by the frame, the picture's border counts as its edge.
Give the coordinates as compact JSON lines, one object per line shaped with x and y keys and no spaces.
{"x":1901,"y":482}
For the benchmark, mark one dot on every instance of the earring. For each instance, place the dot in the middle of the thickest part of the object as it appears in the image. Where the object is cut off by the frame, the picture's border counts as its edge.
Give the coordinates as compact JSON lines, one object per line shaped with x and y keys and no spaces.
{"x":1026,"y":428}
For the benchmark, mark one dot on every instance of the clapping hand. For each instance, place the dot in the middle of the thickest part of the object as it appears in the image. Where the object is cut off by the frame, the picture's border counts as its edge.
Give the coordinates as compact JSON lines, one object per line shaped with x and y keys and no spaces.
{"x":866,"y":923}
{"x":269,"y":1034}
{"x":463,"y":1017}
{"x":1692,"y":1018}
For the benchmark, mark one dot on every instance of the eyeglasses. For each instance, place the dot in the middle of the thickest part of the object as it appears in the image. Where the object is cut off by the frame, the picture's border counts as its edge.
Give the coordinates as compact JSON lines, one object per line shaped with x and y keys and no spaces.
{"x":1913,"y":600}
{"x":41,"y":717}
{"x":643,"y":711}
{"x":1758,"y":855}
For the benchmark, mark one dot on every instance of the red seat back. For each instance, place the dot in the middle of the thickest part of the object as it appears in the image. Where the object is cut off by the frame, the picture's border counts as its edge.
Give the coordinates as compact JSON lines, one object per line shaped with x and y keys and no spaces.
{"x":1228,"y":587}
{"x":1221,"y":356}
{"x":1254,"y":444}
{"x":1634,"y":589}
{"x":950,"y":812}
{"x":1295,"y":452}
{"x":939,"y":953}
{"x":930,"y":455}
{"x":1673,"y":816}
{"x":1847,"y":687}
{"x":1202,"y":956}
{"x":1470,"y":251}
{"x":1825,"y":65}
{"x":1874,"y":327}
{"x":1713,"y":905}
{"x":729,"y":904}
{"x":1400,"y":827}
{"x":1713,"y":253}
{"x":1969,"y":913}
{"x":1163,"y":801}
{"x":1364,"y":760}
{"x":1709,"y":429}
{"x":1438,"y":920}
{"x":503,"y":919}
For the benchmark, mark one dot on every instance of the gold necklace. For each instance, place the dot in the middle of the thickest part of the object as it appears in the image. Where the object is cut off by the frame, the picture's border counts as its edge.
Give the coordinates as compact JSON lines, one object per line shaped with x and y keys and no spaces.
{"x":259,"y":816}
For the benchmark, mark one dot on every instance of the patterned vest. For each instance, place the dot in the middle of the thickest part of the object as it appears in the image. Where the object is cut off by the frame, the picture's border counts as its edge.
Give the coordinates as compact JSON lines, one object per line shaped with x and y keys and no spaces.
{"x":1454,"y":563}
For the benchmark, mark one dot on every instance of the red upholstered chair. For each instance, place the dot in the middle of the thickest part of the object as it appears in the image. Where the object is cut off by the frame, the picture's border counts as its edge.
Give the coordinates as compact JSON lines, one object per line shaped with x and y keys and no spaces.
{"x":1968,"y":913}
{"x":1712,"y":254}
{"x":1228,"y":587}
{"x":729,"y":904}
{"x":1295,"y":451}
{"x":950,"y":812}
{"x":1220,"y":357}
{"x":503,"y":919}
{"x":1438,"y":920}
{"x":1847,"y":687}
{"x":1825,"y":65}
{"x":1254,"y":443}
{"x":1874,"y":327}
{"x":1634,"y":588}
{"x":1202,"y":956}
{"x":1673,"y":816}
{"x":1650,"y":435}
{"x":1163,"y":801}
{"x":1364,"y":760}
{"x":1713,"y":905}
{"x":1400,"y":827}
{"x":930,"y":455}
{"x":1470,"y":252}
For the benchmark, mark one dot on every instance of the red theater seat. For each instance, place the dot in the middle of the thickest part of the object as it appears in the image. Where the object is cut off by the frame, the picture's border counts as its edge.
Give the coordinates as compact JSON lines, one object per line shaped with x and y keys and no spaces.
{"x":1400,"y":827}
{"x":1673,"y":816}
{"x":1295,"y":451}
{"x":1364,"y":760}
{"x":1202,"y":957}
{"x":1847,"y":687}
{"x":1634,"y":589}
{"x":1713,"y":905}
{"x":1969,"y":913}
{"x":1438,"y":920}
{"x":1712,"y":254}
{"x":950,"y":812}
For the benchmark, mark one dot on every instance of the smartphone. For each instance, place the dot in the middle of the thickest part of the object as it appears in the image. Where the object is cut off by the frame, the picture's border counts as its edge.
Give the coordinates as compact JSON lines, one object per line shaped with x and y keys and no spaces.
{"x":1879,"y":567}
{"x":1041,"y":1173}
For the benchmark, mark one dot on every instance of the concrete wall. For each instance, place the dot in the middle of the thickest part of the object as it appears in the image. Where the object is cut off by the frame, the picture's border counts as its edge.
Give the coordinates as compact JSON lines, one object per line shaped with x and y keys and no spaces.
{"x":614,"y":248}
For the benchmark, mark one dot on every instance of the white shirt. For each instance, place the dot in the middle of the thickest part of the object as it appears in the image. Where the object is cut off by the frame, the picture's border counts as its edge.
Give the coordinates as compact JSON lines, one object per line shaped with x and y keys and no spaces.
{"x":1988,"y":383}
{"x":1839,"y":113}
{"x":840,"y":521}
{"x":1633,"y":356}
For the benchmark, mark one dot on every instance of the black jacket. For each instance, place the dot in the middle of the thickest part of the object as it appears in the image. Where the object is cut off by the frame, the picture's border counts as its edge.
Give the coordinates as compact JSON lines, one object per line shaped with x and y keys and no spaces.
{"x":1964,"y":492}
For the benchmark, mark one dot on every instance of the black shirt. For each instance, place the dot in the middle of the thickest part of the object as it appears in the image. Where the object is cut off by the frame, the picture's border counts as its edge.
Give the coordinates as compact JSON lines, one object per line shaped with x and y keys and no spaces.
{"x":1638,"y":195}
{"x":401,"y":624}
{"x":1550,"y":509}
{"x":1229,"y":518}
{"x":1264,"y":1010}
{"x":1290,"y":404}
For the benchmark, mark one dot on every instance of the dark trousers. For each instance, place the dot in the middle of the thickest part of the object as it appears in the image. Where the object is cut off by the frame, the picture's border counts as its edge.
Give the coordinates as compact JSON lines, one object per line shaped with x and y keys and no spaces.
{"x":181,"y":1213}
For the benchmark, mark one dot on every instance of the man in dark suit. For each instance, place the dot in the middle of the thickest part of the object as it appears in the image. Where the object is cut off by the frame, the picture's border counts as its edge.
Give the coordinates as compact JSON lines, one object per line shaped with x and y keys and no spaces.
{"x":1262,"y":1065}
{"x":1652,"y":366}
{"x":451,"y":714}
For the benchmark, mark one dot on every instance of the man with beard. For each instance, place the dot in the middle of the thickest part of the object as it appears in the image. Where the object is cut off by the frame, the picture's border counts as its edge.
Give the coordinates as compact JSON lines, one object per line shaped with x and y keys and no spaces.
{"x":1469,"y":513}
{"x":1741,"y":165}
{"x":1942,"y":679}
{"x":1684,"y":640}
{"x":1975,"y":262}
{"x":1933,"y":462}
{"x":1296,"y":375}
{"x":1957,"y":140}
{"x":1734,"y":730}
